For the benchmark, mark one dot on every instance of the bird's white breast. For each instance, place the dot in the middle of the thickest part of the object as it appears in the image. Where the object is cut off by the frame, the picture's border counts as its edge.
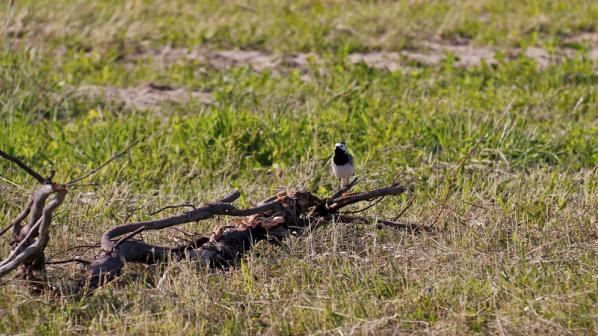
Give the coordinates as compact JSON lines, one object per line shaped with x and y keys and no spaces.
{"x":343,"y":171}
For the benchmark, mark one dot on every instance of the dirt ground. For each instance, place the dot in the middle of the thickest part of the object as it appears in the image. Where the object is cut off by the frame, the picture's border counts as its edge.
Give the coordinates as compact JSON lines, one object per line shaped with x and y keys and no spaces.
{"x":427,"y":53}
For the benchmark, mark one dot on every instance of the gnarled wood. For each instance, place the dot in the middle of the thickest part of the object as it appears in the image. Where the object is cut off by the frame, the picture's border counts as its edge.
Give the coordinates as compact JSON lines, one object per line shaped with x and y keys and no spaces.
{"x":209,"y":211}
{"x":29,"y":251}
{"x":29,"y":241}
{"x":270,"y":219}
{"x":345,"y":200}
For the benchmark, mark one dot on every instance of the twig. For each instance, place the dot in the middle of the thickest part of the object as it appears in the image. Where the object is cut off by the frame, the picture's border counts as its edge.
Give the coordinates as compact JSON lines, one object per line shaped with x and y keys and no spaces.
{"x":340,"y":191}
{"x":406,"y":226}
{"x":173,"y":207}
{"x":185,"y":233}
{"x":73,"y":248}
{"x":90,"y":184}
{"x":6,"y":229}
{"x":14,"y":184}
{"x":367,"y":207}
{"x":130,"y":235}
{"x":452,"y":181}
{"x":343,"y":201}
{"x":23,"y":166}
{"x":95,"y":170}
{"x":409,"y":204}
{"x":77,"y":260}
{"x":131,"y":213}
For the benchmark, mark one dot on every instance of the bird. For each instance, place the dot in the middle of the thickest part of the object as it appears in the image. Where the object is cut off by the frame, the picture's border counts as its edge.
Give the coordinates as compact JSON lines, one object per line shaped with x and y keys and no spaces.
{"x":342,"y":164}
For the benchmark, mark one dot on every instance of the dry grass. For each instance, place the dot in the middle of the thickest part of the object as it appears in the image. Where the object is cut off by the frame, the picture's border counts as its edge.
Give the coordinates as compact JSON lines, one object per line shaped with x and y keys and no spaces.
{"x":516,"y":246}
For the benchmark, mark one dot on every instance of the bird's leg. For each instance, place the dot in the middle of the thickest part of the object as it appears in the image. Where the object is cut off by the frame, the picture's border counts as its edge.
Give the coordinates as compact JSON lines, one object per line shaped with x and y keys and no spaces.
{"x":344,"y":182}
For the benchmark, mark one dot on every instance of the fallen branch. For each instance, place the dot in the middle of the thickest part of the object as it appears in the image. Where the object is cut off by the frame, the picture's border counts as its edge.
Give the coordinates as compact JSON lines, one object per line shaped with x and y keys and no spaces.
{"x":60,"y":262}
{"x":269,"y":220}
{"x":36,"y":248}
{"x":173,"y":207}
{"x":29,"y":241}
{"x":223,"y":207}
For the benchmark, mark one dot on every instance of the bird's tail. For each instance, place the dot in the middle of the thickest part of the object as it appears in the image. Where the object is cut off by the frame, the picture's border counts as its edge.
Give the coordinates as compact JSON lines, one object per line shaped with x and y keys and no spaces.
{"x":344,"y":182}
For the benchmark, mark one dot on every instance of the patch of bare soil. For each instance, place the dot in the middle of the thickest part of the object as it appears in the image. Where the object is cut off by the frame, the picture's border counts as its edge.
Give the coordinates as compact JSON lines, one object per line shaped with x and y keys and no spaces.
{"x":380,"y":60}
{"x":257,"y":60}
{"x":589,"y":38}
{"x":427,"y":53}
{"x":466,"y":55}
{"x":585,"y":37}
{"x":146,"y":96}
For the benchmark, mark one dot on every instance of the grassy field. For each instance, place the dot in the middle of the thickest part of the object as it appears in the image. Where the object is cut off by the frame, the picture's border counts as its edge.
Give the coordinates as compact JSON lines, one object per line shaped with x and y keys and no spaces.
{"x":516,"y":251}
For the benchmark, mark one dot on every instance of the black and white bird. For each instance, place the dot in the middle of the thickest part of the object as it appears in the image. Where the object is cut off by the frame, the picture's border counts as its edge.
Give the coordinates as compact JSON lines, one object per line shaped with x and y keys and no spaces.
{"x":342,"y":164}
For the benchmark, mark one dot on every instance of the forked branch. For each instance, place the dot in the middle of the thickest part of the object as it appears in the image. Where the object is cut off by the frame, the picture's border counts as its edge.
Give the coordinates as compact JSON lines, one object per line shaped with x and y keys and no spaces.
{"x":223,"y":207}
{"x":269,"y":220}
{"x":29,"y":241}
{"x":39,"y":245}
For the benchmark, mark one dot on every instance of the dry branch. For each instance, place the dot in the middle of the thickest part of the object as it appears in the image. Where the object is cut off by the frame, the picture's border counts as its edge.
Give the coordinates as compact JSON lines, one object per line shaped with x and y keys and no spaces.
{"x":269,"y":220}
{"x":23,"y":166}
{"x":98,"y":168}
{"x":168,"y":207}
{"x":345,"y":200}
{"x":17,"y":221}
{"x":223,"y":207}
{"x":30,"y":240}
{"x":36,"y":248}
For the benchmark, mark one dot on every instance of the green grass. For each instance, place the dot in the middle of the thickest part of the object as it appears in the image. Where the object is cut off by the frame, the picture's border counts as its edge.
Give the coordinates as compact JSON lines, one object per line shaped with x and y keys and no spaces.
{"x":517,"y":247}
{"x":305,"y":25}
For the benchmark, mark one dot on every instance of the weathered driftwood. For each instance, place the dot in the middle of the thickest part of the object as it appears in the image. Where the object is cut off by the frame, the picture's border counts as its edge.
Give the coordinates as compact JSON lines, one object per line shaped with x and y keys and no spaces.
{"x":270,"y":219}
{"x":29,"y":241}
{"x":27,"y":250}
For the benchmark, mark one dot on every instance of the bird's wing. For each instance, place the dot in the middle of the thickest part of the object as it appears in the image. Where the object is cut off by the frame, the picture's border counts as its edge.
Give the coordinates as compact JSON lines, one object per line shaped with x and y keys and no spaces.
{"x":350,"y":159}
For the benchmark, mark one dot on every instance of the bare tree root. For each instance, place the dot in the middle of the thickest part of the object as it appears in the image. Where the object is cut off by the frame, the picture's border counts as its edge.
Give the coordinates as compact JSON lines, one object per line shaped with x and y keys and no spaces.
{"x":27,"y":250}
{"x":272,"y":220}
{"x":29,"y":241}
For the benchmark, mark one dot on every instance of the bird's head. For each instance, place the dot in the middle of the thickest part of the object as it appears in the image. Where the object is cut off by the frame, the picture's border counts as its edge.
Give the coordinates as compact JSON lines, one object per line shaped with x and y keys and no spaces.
{"x":340,"y":147}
